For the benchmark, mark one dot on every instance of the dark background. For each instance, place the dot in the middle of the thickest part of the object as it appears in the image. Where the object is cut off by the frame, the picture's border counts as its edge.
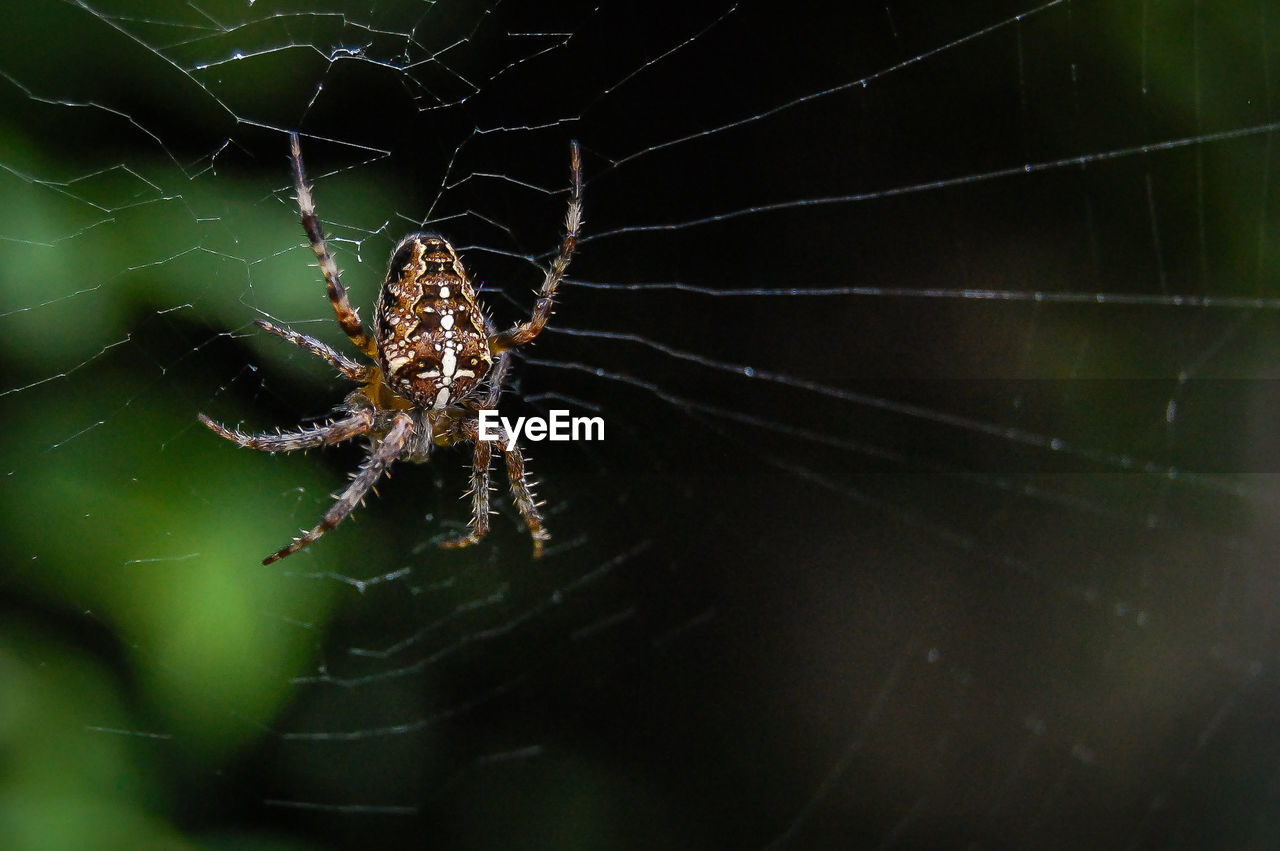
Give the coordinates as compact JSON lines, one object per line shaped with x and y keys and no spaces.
{"x":935,"y":347}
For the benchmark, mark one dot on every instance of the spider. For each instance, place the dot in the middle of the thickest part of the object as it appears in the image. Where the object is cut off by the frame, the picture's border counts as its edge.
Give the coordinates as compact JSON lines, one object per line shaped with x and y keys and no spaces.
{"x":437,"y":359}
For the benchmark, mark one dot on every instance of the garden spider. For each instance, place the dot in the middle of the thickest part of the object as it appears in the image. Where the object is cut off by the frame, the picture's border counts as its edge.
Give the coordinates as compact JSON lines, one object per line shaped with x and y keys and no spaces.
{"x":438,"y":361}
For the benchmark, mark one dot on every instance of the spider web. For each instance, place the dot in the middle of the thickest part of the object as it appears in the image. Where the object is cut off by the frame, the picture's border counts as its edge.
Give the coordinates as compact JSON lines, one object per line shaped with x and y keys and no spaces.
{"x":934,"y":344}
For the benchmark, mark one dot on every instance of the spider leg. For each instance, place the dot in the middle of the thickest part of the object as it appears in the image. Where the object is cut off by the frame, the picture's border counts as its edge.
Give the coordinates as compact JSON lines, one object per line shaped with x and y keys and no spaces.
{"x":521,"y":489}
{"x":522,"y":493}
{"x":479,"y":488}
{"x":523,"y":332}
{"x":306,"y":438}
{"x":374,"y":466}
{"x":343,"y":364}
{"x":348,"y":318}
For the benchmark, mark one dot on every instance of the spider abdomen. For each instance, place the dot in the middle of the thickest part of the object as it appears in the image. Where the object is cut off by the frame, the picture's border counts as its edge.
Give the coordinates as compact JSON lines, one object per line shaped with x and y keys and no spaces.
{"x":433,"y":338}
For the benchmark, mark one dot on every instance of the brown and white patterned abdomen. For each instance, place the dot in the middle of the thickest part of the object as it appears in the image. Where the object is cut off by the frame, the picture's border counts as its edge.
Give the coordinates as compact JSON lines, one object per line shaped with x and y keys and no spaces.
{"x":433,"y":343}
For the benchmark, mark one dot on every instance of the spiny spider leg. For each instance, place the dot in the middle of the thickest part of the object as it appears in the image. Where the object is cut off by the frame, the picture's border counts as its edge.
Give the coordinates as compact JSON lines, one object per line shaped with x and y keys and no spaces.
{"x":348,"y":318}
{"x":480,"y":459}
{"x":373,"y":467}
{"x":522,"y":493}
{"x":479,"y":489}
{"x":521,"y":489}
{"x":337,"y":360}
{"x":306,"y":438}
{"x":523,"y":332}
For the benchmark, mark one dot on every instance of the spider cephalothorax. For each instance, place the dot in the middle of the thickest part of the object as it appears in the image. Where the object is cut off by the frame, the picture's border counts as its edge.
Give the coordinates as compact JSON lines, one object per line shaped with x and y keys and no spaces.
{"x":439,"y":362}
